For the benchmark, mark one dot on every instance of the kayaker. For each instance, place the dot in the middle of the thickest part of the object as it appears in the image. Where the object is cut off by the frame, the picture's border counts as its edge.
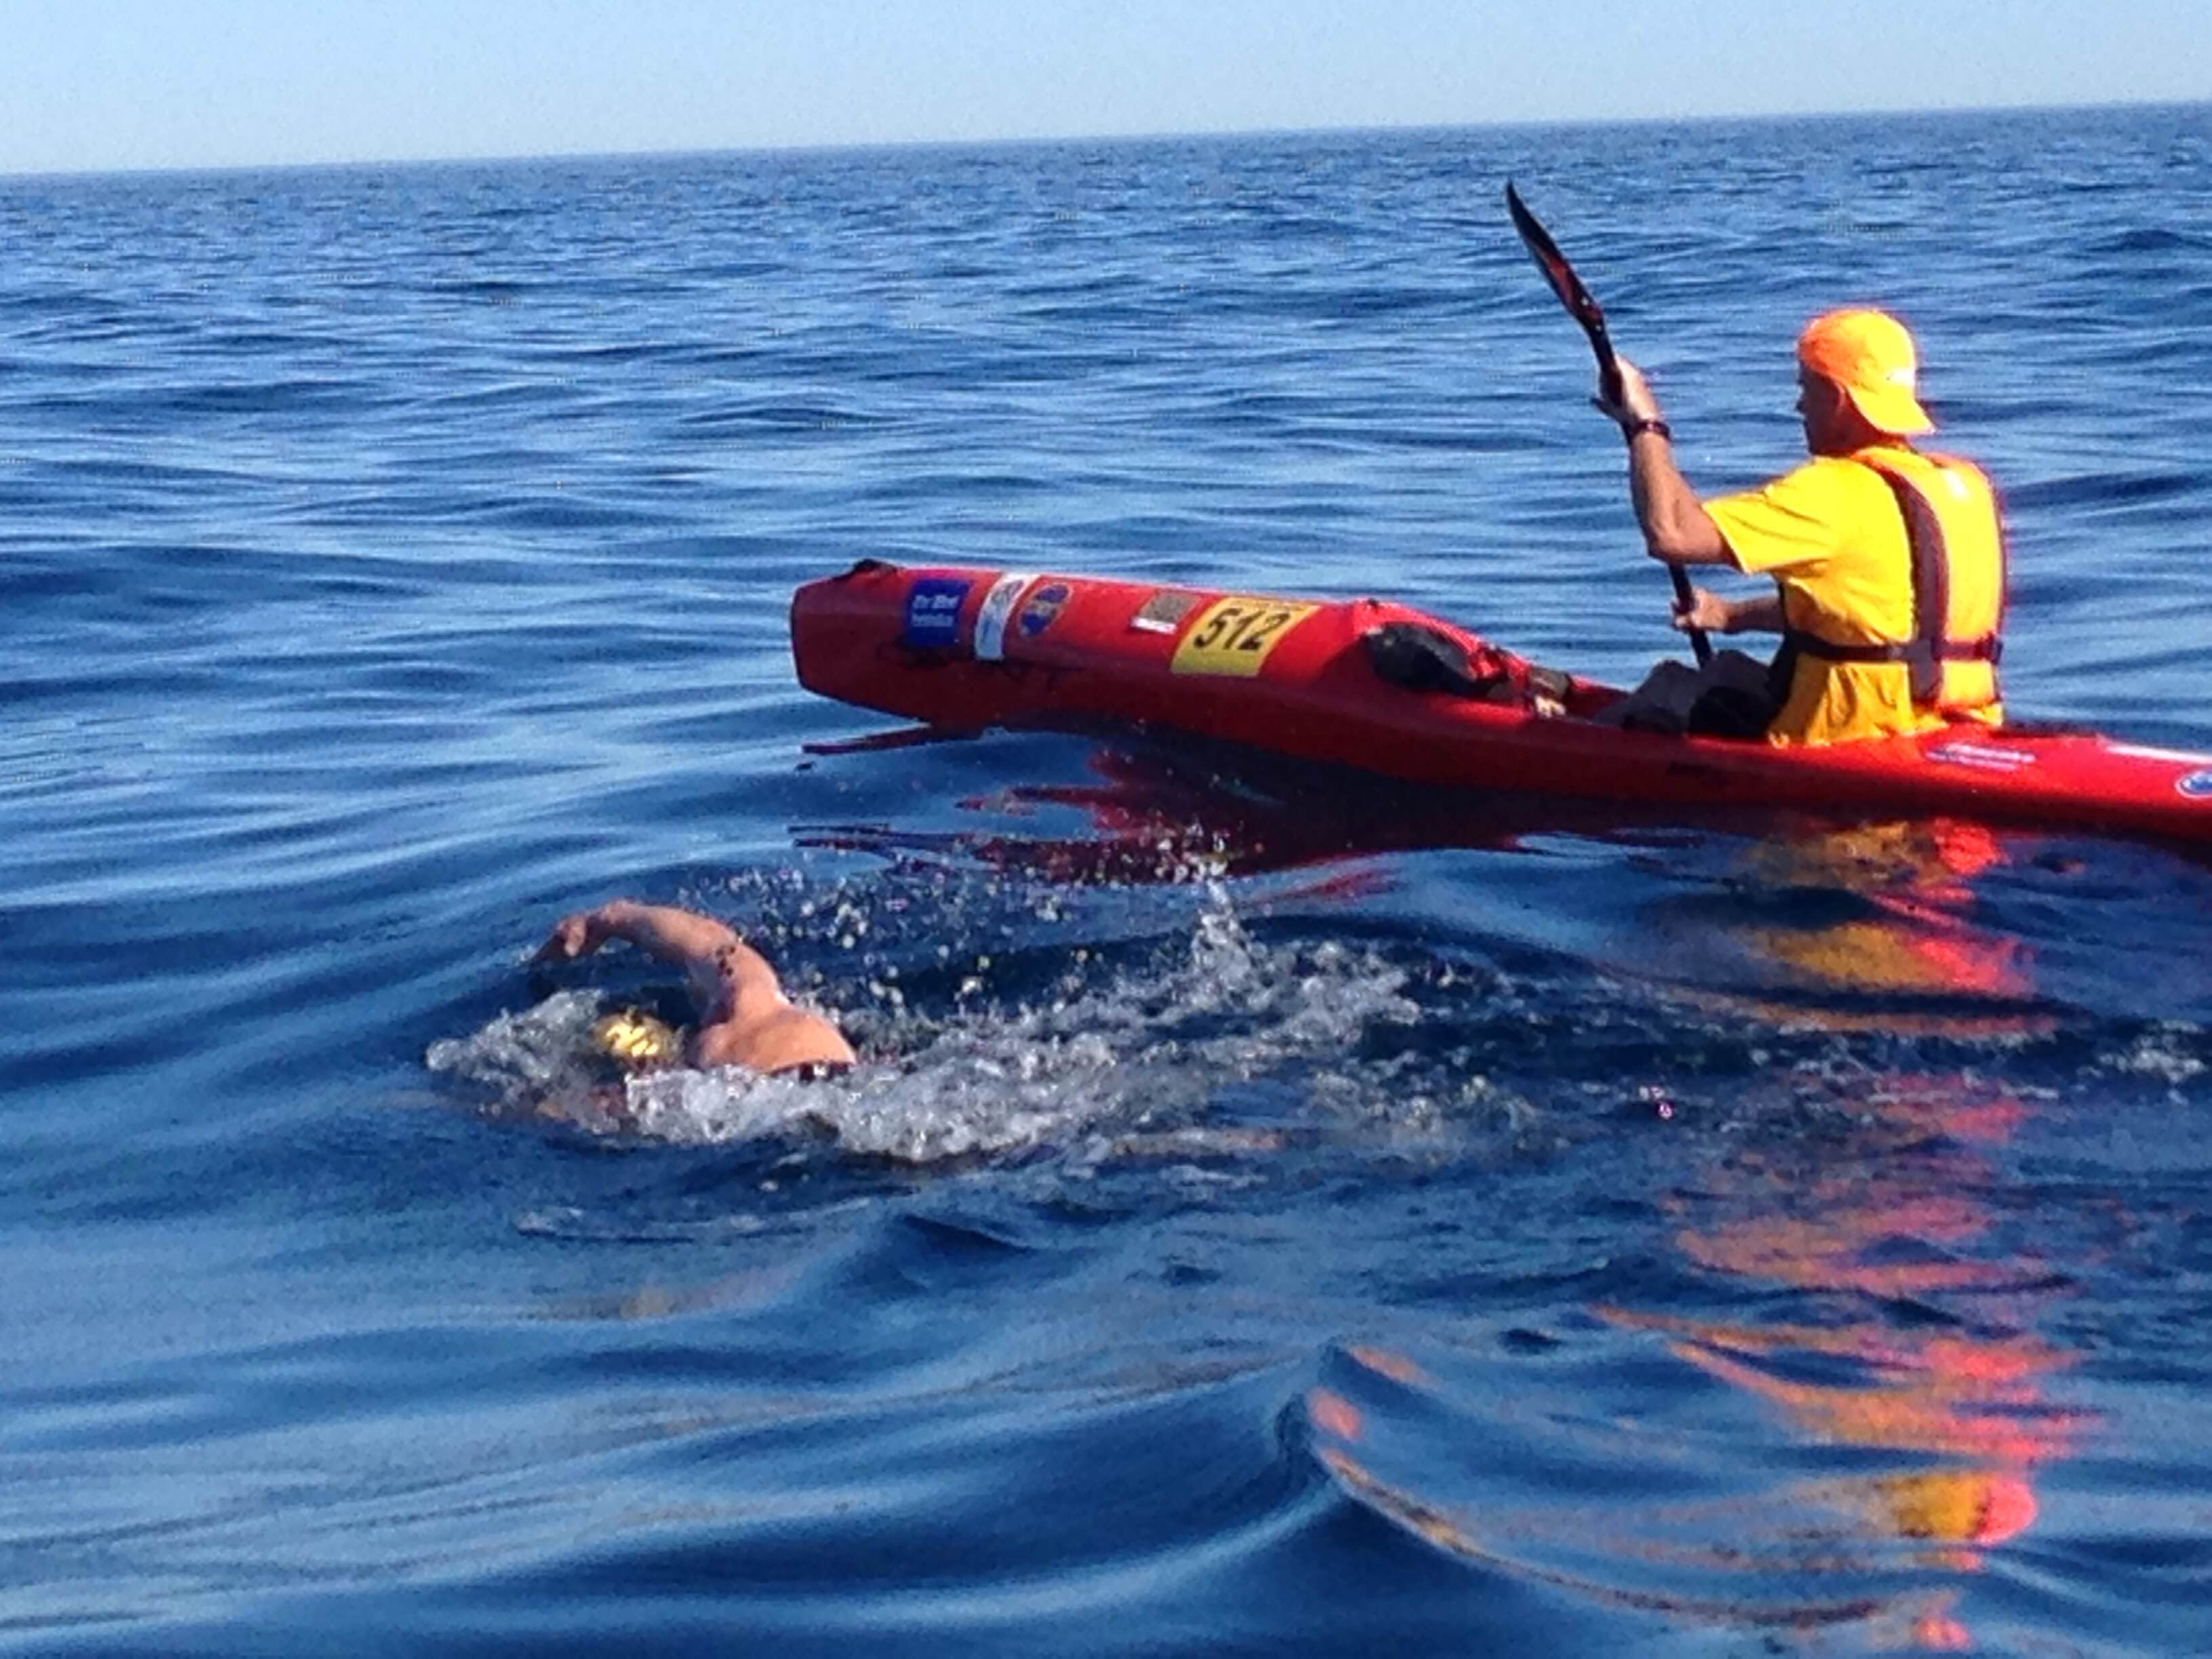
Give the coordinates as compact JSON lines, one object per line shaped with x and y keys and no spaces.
{"x":745,"y":1017}
{"x":1888,"y":563}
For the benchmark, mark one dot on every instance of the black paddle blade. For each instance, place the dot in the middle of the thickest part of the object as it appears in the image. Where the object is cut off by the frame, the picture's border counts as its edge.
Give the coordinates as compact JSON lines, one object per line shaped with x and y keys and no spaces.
{"x":1545,"y":253}
{"x":1583,"y":309}
{"x":1580,"y":304}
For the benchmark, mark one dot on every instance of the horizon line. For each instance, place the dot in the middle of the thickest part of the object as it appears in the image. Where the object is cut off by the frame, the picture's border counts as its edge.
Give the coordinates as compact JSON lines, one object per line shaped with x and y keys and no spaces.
{"x":1013,"y":141}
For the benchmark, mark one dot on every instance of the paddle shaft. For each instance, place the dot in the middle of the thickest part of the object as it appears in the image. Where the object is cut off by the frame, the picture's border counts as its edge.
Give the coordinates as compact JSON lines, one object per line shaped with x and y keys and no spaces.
{"x":1583,"y":308}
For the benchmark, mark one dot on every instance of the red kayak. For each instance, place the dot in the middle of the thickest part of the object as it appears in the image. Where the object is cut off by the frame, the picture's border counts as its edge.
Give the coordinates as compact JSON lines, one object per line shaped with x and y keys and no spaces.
{"x":1391,"y":691}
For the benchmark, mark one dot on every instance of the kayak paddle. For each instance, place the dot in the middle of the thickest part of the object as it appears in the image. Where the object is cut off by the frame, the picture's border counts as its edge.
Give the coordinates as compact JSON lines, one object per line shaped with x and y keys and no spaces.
{"x":1583,"y":309}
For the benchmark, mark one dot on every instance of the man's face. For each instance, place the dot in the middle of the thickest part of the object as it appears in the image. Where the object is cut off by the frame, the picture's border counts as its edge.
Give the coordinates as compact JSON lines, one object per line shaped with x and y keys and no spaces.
{"x":1820,"y":401}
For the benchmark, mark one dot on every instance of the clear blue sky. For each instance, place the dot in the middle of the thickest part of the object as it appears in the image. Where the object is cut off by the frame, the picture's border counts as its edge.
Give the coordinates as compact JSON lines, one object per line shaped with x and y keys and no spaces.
{"x":136,"y":84}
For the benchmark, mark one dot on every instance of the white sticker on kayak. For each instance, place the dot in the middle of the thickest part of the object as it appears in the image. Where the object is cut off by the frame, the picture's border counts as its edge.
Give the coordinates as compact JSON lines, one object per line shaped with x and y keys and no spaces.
{"x":2197,"y":786}
{"x":2142,"y":752}
{"x":997,"y":606}
{"x":1987,"y":756}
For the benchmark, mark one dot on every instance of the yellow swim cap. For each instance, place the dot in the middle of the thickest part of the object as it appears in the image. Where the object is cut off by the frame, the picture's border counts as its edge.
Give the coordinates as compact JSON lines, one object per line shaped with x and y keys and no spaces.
{"x":637,"y":1041}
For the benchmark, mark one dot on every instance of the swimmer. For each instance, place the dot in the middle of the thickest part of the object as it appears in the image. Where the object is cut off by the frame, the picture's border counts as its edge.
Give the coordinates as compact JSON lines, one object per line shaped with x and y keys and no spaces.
{"x":744,"y":1019}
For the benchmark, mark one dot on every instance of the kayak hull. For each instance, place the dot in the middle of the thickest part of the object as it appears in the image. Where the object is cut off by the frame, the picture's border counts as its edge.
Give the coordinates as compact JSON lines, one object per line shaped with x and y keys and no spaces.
{"x":968,"y":648}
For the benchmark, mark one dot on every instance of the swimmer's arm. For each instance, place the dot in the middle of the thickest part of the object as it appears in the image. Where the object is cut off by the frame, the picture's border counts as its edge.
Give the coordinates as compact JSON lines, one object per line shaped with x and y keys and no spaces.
{"x":682,"y":938}
{"x":727,"y":976}
{"x":745,"y":1017}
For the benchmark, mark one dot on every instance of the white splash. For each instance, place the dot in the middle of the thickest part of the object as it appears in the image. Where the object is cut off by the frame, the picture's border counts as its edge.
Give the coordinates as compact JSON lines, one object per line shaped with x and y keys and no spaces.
{"x":1143,"y":1053}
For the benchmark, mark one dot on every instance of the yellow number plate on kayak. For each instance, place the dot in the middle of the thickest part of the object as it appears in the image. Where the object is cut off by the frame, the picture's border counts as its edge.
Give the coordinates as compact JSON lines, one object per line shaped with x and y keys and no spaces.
{"x":1234,"y":635}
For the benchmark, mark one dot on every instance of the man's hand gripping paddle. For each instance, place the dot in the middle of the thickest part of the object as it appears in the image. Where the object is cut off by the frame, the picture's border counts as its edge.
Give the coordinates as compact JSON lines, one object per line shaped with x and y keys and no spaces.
{"x":1583,"y":309}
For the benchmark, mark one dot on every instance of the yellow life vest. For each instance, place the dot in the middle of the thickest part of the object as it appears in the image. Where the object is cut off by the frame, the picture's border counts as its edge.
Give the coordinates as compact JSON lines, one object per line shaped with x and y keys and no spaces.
{"x":1957,"y":542}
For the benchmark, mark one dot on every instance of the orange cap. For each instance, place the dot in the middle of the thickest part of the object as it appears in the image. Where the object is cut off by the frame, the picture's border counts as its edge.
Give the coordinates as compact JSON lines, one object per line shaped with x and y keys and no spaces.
{"x":1870,"y":356}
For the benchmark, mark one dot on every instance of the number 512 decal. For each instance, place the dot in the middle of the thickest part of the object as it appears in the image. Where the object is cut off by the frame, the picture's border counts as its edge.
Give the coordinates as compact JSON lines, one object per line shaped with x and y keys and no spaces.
{"x":1234,"y":635}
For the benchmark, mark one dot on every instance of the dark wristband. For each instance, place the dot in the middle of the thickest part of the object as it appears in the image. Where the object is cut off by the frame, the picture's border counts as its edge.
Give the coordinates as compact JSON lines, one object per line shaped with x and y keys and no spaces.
{"x":1632,"y":430}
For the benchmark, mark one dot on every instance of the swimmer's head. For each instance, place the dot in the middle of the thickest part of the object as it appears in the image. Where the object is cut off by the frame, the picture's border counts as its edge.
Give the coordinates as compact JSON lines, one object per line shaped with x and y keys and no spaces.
{"x":637,"y":1042}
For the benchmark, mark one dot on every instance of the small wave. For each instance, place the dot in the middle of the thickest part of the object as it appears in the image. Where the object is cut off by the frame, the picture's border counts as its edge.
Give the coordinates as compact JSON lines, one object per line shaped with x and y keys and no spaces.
{"x":776,"y":417}
{"x":493,"y":290}
{"x":257,"y":398}
{"x":2150,"y":239}
{"x":2112,"y":488}
{"x":1714,"y":1520}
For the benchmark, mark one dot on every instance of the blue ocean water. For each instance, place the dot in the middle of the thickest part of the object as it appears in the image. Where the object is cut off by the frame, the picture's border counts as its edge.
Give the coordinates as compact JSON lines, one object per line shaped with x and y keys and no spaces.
{"x":1273,"y":1216}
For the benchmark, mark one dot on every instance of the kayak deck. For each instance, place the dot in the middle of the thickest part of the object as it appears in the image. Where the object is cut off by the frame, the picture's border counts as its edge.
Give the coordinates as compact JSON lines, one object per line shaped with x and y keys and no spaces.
{"x":969,"y":649}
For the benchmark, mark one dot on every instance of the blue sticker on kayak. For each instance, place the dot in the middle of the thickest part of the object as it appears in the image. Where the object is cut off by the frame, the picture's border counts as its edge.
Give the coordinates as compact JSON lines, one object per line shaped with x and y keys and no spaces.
{"x":933,"y":612}
{"x":2197,"y":786}
{"x":1039,"y":609}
